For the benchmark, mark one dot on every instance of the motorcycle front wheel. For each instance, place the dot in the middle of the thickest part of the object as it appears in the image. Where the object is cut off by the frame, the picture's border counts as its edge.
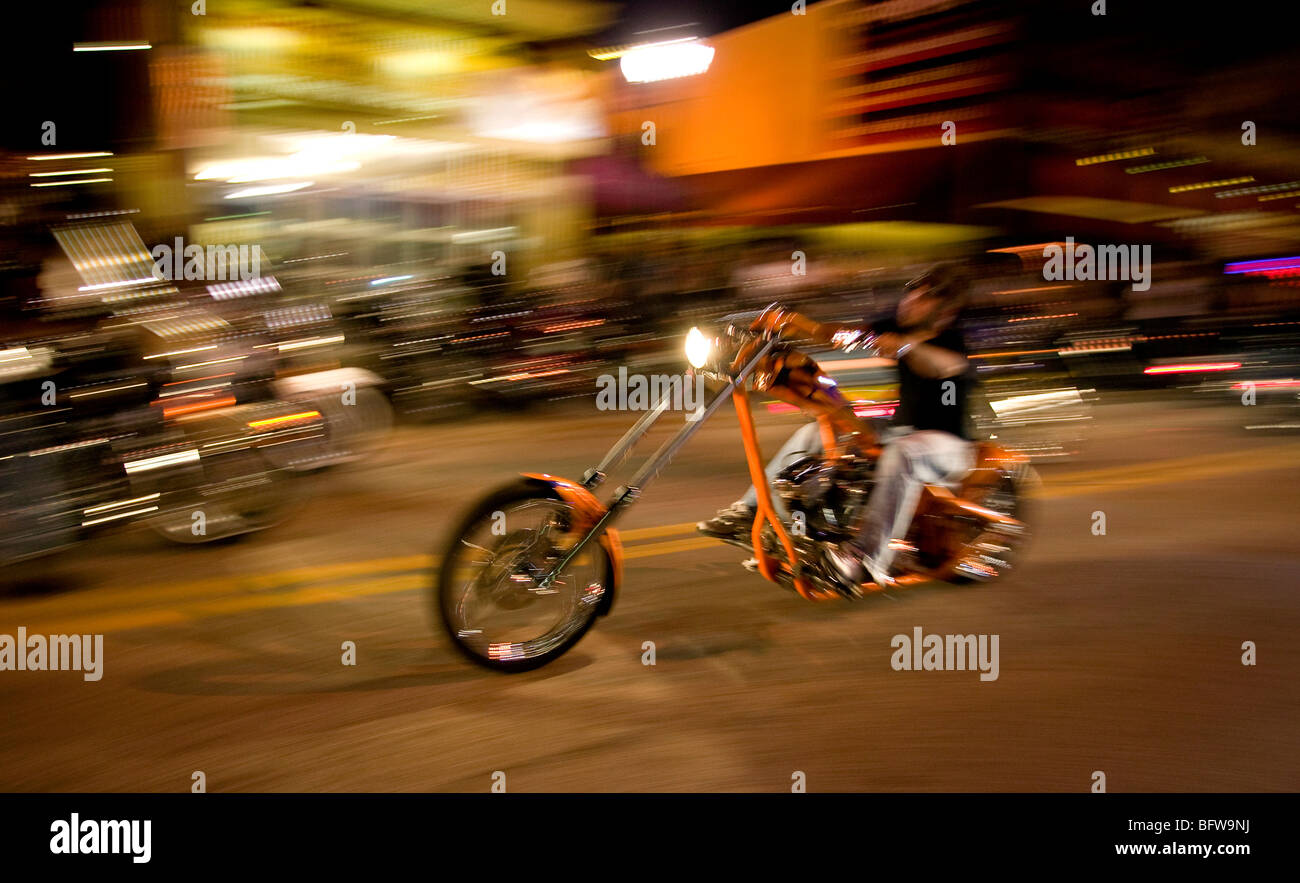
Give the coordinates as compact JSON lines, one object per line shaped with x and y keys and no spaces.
{"x":489,"y":595}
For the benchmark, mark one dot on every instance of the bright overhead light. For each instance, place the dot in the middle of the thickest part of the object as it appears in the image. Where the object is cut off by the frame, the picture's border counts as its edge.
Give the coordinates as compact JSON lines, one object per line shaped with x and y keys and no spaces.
{"x":269,"y":190}
{"x":614,"y":52}
{"x":243,"y":171}
{"x":665,"y":61}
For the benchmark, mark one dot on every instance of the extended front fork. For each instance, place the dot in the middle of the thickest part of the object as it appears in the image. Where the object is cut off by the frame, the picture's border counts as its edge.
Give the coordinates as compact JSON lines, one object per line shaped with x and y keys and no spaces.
{"x":767,"y":565}
{"x":626,"y":495}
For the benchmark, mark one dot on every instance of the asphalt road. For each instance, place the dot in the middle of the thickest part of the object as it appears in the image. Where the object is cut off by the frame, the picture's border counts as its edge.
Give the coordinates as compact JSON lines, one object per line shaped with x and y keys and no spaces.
{"x":1119,"y":653}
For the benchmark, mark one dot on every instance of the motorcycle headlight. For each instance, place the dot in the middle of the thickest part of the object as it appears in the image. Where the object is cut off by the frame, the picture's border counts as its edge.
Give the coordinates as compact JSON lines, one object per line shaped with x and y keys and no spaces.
{"x":698,"y":348}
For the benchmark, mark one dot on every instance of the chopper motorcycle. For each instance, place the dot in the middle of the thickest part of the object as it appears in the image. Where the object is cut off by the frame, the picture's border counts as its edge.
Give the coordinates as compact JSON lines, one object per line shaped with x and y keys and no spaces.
{"x":530,"y":568}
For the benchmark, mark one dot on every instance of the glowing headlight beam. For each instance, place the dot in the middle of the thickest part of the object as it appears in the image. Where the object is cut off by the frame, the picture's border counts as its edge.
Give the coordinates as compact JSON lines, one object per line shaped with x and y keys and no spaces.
{"x":698,"y":348}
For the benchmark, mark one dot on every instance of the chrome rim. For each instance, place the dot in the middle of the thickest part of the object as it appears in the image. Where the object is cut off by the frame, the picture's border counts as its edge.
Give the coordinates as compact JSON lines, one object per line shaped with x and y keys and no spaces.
{"x":496,"y":606}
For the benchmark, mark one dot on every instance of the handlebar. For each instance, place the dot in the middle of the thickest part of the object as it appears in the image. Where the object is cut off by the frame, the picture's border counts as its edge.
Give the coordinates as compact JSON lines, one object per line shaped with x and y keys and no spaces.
{"x":777,"y":322}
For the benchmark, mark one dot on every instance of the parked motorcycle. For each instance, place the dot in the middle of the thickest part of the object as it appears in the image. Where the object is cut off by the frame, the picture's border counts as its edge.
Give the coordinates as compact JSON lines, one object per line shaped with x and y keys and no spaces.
{"x":531,"y":566}
{"x":98,"y":434}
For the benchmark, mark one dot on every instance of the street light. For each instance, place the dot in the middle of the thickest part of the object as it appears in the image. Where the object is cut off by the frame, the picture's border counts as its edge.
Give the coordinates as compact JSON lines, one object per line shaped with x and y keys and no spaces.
{"x":652,"y":62}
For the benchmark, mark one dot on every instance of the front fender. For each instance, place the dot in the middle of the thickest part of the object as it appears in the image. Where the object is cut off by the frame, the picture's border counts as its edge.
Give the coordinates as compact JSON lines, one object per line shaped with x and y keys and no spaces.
{"x":589,"y":510}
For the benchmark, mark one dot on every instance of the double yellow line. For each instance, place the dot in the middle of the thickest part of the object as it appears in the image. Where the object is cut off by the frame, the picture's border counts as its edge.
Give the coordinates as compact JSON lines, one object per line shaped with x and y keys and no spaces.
{"x":169,"y":604}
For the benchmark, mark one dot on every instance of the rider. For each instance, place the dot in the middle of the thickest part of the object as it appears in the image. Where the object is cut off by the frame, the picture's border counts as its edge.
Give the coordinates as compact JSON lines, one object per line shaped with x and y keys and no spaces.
{"x":928,"y":442}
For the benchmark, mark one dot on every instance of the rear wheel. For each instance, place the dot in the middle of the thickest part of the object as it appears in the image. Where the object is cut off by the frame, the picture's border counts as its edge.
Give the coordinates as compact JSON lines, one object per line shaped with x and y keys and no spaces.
{"x":491,"y":595}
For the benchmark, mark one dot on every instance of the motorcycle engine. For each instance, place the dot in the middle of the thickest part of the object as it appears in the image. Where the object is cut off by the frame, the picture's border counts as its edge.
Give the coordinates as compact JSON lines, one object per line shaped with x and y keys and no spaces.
{"x":826,"y":497}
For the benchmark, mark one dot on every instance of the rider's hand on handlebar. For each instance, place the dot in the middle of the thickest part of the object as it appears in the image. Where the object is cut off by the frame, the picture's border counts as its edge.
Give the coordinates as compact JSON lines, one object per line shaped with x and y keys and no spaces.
{"x":787,"y":324}
{"x":888,"y":344}
{"x":782,"y":324}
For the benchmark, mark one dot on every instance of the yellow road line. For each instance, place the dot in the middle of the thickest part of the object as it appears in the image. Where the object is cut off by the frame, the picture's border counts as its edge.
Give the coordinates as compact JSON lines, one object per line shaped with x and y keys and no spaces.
{"x":663,"y":530}
{"x":1168,"y":472}
{"x":100,"y":610}
{"x":241,"y":583}
{"x":190,"y":612}
{"x":653,"y":549}
{"x":1169,"y":469}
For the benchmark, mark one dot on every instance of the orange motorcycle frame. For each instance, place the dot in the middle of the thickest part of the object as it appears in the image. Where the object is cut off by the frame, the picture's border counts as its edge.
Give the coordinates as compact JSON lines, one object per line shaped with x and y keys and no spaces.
{"x":796,"y":379}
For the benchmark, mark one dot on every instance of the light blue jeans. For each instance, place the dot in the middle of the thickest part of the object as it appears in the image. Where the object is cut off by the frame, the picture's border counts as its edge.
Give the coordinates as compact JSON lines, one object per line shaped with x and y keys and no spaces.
{"x":910,"y":461}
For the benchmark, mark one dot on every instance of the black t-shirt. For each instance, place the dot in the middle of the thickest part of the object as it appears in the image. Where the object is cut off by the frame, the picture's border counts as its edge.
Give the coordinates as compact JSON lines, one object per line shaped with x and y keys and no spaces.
{"x":927,"y":402}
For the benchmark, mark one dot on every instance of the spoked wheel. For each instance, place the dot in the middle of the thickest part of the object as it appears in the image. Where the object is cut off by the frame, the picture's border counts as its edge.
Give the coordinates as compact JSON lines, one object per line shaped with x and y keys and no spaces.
{"x":491,"y":594}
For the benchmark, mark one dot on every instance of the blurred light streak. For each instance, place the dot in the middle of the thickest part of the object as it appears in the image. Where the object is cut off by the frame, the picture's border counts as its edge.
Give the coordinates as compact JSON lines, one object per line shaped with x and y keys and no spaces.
{"x":1112,"y":157}
{"x":288,"y":418}
{"x":1246,"y":384}
{"x":70,"y":183}
{"x":1262,"y":265}
{"x":111,"y":46}
{"x":69,"y":156}
{"x":69,"y":172}
{"x":163,"y":460}
{"x":1189,"y":369}
{"x":1263,"y":188}
{"x":1160,"y":166}
{"x":304,"y":344}
{"x":179,"y":410}
{"x":269,"y":190}
{"x":1207,"y":185}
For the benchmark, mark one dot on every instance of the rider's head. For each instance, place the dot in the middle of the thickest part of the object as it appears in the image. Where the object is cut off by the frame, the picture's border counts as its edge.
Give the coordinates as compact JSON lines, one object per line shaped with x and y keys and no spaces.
{"x":932,"y":300}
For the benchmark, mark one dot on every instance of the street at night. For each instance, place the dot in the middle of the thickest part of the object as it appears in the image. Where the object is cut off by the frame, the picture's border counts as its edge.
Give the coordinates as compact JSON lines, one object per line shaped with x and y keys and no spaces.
{"x":1119,"y":652}
{"x":506,"y":431}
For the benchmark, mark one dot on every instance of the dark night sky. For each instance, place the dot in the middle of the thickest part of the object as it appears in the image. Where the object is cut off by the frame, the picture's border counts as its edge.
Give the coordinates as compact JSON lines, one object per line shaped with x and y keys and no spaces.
{"x":91,"y":96}
{"x":713,"y":16}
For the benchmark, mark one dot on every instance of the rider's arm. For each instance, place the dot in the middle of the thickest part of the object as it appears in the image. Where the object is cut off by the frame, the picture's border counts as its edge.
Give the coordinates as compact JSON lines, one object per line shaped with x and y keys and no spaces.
{"x":926,"y":359}
{"x":929,"y":360}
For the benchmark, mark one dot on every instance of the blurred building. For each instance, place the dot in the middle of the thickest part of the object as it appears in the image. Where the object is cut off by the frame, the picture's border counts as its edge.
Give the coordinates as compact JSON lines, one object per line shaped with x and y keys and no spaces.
{"x":928,"y":122}
{"x":390,"y":130}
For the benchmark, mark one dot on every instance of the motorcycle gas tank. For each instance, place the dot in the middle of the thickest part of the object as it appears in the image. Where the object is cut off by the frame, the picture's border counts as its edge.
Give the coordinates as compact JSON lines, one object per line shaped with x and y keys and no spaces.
{"x":796,"y":378}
